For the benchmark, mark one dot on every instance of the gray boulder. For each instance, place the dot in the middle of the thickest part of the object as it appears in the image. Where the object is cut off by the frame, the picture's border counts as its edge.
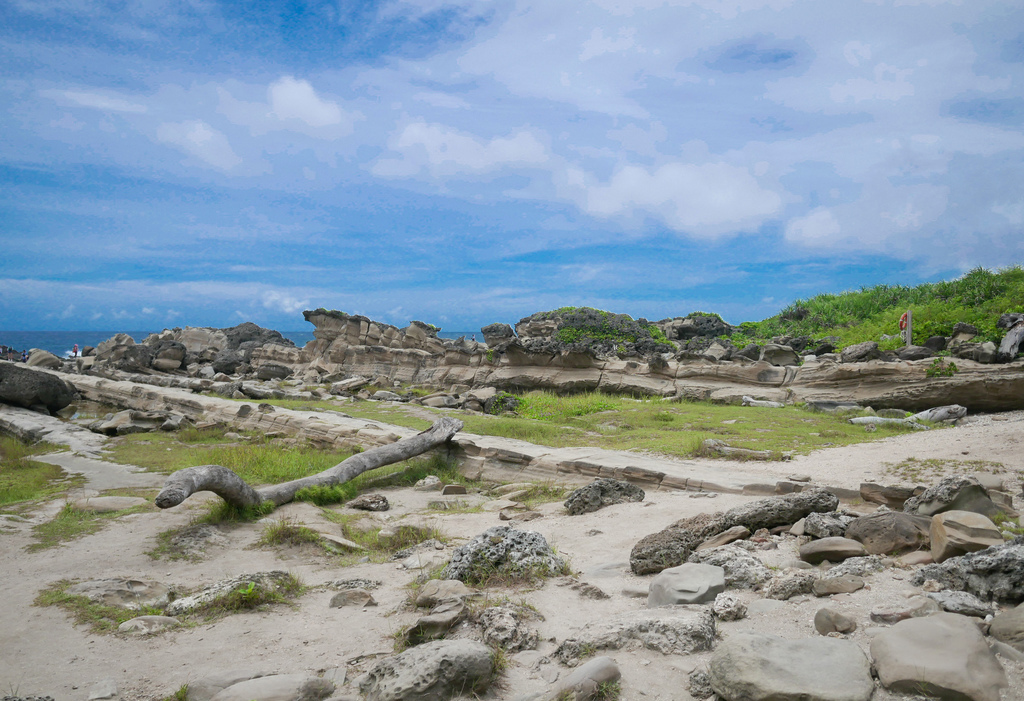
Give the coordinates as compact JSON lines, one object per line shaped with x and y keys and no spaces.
{"x":1008,"y":627}
{"x":673,"y":545}
{"x":272,"y":371}
{"x":775,"y":354}
{"x":503,"y":549}
{"x":688,"y":583}
{"x":752,"y":667}
{"x":505,"y":627}
{"x":38,"y":358}
{"x":433,"y":671}
{"x":277,"y":687}
{"x":828,"y":620}
{"x":670,"y":630}
{"x":826,"y":525}
{"x":944,"y":653}
{"x":860,"y":352}
{"x":600,"y":493}
{"x":889,"y":532}
{"x":956,"y":493}
{"x":962,"y":603}
{"x":831,"y":549}
{"x":33,"y":389}
{"x":996,"y":573}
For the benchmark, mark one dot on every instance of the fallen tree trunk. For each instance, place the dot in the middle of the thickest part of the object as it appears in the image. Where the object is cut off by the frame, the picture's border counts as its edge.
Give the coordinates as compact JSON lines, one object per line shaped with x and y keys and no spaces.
{"x":234,"y":490}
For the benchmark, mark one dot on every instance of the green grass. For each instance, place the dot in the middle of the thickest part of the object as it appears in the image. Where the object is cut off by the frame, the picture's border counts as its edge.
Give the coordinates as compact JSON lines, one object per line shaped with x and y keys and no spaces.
{"x":380,"y":548}
{"x":252,"y":595}
{"x":26,"y":480}
{"x":99,"y":618}
{"x":924,"y":469}
{"x":70,"y":523}
{"x":979,"y":298}
{"x":402,"y":474}
{"x":287,"y":532}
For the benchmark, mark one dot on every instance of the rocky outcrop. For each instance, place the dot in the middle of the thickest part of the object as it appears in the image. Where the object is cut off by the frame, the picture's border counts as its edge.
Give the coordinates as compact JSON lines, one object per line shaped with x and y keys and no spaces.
{"x":602,"y":492}
{"x":33,"y":389}
{"x":503,"y":550}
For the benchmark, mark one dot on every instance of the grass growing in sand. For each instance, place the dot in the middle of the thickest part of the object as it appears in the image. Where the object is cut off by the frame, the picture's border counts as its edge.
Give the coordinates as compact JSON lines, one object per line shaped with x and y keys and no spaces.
{"x":925,"y":469}
{"x":71,"y":523}
{"x":380,"y":547}
{"x":100,"y":618}
{"x":26,"y":480}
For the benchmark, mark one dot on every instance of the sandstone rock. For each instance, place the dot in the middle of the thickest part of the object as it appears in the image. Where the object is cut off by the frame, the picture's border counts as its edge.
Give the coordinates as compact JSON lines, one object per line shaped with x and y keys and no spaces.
{"x":742,"y":570}
{"x":788,"y":585}
{"x":602,"y":492}
{"x":916,"y":607}
{"x":725,"y":537}
{"x":430,"y":672}
{"x":956,"y":533}
{"x":582,"y":684}
{"x":428,"y":484}
{"x":831,"y":549}
{"x":45,"y":360}
{"x":688,"y":583}
{"x":670,"y":630}
{"x":273,"y":581}
{"x":1008,"y":627}
{"x":756,"y":667}
{"x":442,"y":618}
{"x":205,"y":688}
{"x":779,"y":355}
{"x":889,"y":532}
{"x":129,"y":421}
{"x":956,"y":493}
{"x":828,"y":620}
{"x":33,"y":389}
{"x":893,"y":496}
{"x":673,"y":545}
{"x":503,"y":549}
{"x":846,"y":584}
{"x":352,"y":597}
{"x":438,"y":590}
{"x":944,"y":653}
{"x":277,"y":687}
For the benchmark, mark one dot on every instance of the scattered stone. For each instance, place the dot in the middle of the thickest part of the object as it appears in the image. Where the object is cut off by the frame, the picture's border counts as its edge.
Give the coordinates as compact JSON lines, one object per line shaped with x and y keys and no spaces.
{"x":728,"y":608}
{"x":742,"y":570}
{"x":369,"y":502}
{"x":436,"y":624}
{"x":1008,"y":627}
{"x":996,"y":573}
{"x":670,"y":630}
{"x":503,"y":549}
{"x":890,"y":532}
{"x":844,"y":584}
{"x":355,"y":584}
{"x":917,"y":606}
{"x":429,"y":483}
{"x":352,"y":597}
{"x":600,"y":493}
{"x":430,"y":672}
{"x":828,"y":620}
{"x":956,"y":533}
{"x":962,"y":603}
{"x":142,"y":625}
{"x":826,"y":525}
{"x":277,"y":687}
{"x":725,"y":537}
{"x":700,"y":684}
{"x":584,"y":683}
{"x":767,"y":668}
{"x":921,"y":557}
{"x":688,"y":583}
{"x":453,"y":489}
{"x":831,"y":549}
{"x":944,"y":653}
{"x":132,"y":594}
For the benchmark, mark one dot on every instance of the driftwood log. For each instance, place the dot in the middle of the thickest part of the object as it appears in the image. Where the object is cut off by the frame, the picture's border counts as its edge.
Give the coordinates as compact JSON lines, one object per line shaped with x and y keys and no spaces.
{"x":234,"y":490}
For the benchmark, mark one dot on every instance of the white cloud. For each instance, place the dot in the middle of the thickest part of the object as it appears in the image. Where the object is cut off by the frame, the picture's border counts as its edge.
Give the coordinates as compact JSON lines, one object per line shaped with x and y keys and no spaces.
{"x":815,"y":229}
{"x":705,"y":200}
{"x":889,"y":83}
{"x":284,"y":302}
{"x":296,"y":99}
{"x":1013,"y":212}
{"x":598,"y":44}
{"x":198,"y":139}
{"x":446,"y":152}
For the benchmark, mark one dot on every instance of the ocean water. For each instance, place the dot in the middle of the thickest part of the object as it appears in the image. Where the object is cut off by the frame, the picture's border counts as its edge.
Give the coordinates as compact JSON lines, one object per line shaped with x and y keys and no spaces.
{"x":60,"y":343}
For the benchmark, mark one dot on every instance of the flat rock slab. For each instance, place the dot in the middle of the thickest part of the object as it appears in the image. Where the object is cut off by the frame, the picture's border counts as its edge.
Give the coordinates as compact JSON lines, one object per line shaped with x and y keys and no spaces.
{"x":846,"y":584}
{"x":751,"y":667}
{"x":831,"y":549}
{"x":125,"y":593}
{"x":278,"y":687}
{"x":688,"y":583}
{"x":944,"y":653}
{"x":670,"y":630}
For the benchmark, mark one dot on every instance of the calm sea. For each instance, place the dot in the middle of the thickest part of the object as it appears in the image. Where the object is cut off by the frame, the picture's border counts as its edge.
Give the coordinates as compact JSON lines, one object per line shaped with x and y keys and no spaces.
{"x":60,"y":342}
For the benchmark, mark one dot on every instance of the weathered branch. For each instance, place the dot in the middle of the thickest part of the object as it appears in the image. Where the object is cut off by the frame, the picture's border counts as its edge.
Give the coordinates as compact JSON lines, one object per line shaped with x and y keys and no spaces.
{"x":234,"y":490}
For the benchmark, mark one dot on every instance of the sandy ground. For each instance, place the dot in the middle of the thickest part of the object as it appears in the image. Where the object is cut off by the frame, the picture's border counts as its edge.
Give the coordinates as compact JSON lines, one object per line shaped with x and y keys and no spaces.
{"x":43,"y":653}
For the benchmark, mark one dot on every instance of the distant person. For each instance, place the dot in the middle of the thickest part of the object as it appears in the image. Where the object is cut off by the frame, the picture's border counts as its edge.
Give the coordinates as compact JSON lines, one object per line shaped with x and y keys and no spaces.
{"x":74,"y":351}
{"x":24,"y":356}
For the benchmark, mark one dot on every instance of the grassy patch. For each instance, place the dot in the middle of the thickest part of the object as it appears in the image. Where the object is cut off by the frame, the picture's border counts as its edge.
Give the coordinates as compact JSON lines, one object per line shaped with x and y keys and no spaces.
{"x":70,"y":523}
{"x":919,"y":470}
{"x":25,"y":480}
{"x":100,"y":618}
{"x":402,"y":474}
{"x":380,"y":547}
{"x":287,"y":532}
{"x":485,"y":576}
{"x":252,"y":595}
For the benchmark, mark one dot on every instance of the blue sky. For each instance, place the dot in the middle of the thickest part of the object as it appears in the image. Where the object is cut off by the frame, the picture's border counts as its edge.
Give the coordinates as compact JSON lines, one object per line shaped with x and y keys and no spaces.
{"x":197,"y":162}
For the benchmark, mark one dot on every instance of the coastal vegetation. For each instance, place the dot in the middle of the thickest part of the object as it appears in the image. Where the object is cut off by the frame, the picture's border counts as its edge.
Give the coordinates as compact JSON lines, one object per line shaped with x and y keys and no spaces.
{"x":25,"y":480}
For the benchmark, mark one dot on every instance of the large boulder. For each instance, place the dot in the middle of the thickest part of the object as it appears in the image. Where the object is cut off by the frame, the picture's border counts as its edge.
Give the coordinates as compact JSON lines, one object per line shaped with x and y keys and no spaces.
{"x":860,"y":352}
{"x":45,"y":360}
{"x":742,"y":570}
{"x":890,"y":532}
{"x":944,"y":653}
{"x":1008,"y":627}
{"x":33,"y":389}
{"x":600,"y":493}
{"x":673,"y":545}
{"x":960,"y":532}
{"x":433,"y":671}
{"x":689,"y":583}
{"x":955,"y":493}
{"x":753,"y":667}
{"x":775,"y":354}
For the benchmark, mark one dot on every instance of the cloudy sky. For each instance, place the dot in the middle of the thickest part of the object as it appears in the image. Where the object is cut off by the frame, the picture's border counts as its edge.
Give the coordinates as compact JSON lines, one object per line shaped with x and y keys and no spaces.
{"x":206,"y":162}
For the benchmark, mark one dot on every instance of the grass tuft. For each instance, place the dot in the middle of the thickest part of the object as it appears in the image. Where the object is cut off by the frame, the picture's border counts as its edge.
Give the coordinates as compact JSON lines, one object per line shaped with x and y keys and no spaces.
{"x":100,"y":618}
{"x":70,"y":523}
